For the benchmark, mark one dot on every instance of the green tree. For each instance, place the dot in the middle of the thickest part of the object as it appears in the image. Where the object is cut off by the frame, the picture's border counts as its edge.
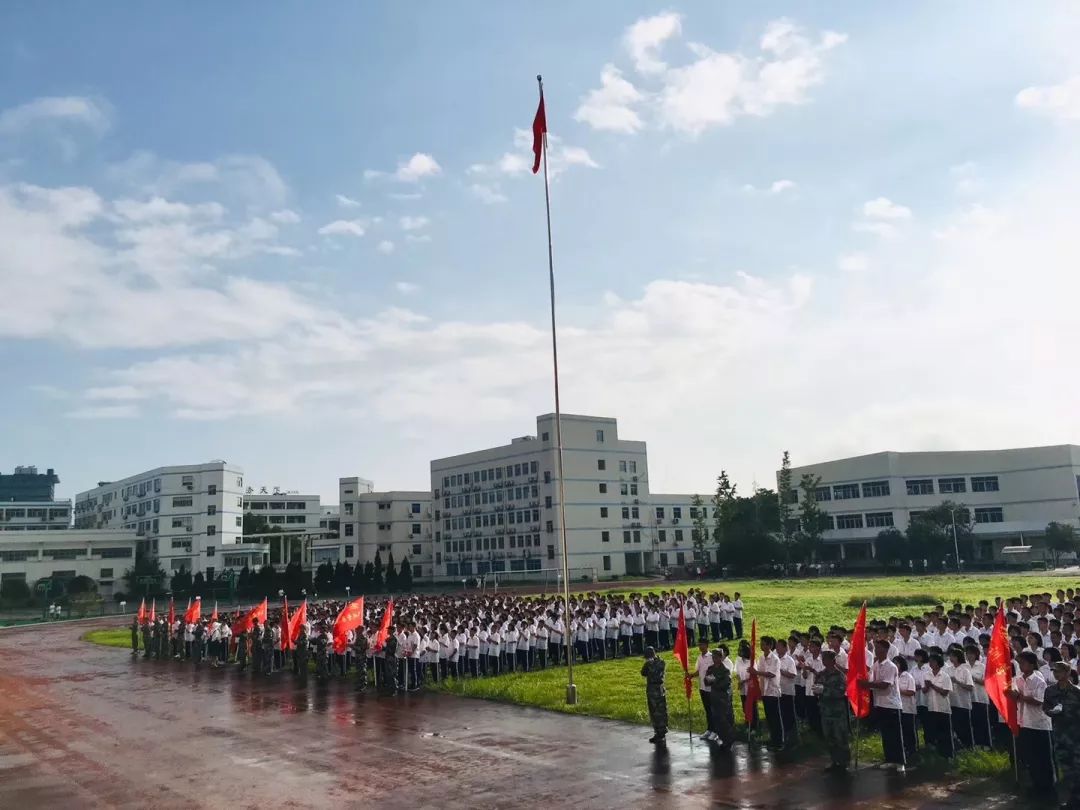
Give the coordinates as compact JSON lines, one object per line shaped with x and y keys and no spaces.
{"x":369,"y":577}
{"x":391,"y":573}
{"x":1061,"y":539}
{"x":243,"y":582}
{"x":699,"y":513}
{"x":784,"y":493}
{"x":891,"y":546}
{"x":15,"y":592}
{"x":930,"y":534}
{"x":377,"y":574}
{"x":812,"y":520}
{"x":180,"y":582}
{"x":293,"y":579}
{"x":198,"y":584}
{"x":144,"y":567}
{"x":751,"y":532}
{"x":81,"y":584}
{"x":255,"y":524}
{"x":404,"y":577}
{"x":324,"y":577}
{"x":723,"y":510}
{"x":265,"y":583}
{"x":342,"y":576}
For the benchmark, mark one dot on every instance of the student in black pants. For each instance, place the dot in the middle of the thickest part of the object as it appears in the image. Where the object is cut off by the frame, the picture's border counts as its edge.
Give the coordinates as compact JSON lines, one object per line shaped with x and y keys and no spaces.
{"x":1034,"y":744}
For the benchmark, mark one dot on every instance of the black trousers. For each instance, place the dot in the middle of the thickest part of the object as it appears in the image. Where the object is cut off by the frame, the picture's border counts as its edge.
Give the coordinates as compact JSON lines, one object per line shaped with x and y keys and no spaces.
{"x":787,"y":715}
{"x":961,"y":723}
{"x":738,"y":627}
{"x":813,"y":713}
{"x":800,"y":701}
{"x":727,"y":631}
{"x":892,"y":738}
{"x":938,"y":733}
{"x":1037,"y":756}
{"x":652,"y":639}
{"x":774,"y":720}
{"x":706,"y":701}
{"x":911,"y":740}
{"x":624,"y":642}
{"x":664,"y":639}
{"x":689,"y":636}
{"x":553,"y":651}
{"x":980,"y":724}
{"x":715,"y":627}
{"x":639,"y":643}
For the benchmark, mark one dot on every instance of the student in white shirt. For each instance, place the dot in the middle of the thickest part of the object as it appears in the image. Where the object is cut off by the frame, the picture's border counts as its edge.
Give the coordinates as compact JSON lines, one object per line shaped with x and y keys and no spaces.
{"x":768,"y":669}
{"x":938,"y":728}
{"x":960,"y":697}
{"x":905,"y":685}
{"x":638,"y":632}
{"x":703,"y":663}
{"x":743,"y":665}
{"x":980,"y":703}
{"x":810,"y":668}
{"x":1033,"y":744}
{"x":788,"y":677}
{"x":472,"y":648}
{"x":882,"y":681}
{"x":737,"y":606}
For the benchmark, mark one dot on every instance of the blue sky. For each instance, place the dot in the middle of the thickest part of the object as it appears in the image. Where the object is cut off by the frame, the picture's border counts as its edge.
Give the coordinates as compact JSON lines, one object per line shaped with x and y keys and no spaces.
{"x":306,"y":240}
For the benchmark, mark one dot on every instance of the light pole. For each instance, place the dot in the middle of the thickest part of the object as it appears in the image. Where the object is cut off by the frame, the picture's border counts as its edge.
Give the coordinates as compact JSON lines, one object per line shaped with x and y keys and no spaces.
{"x":956,"y":545}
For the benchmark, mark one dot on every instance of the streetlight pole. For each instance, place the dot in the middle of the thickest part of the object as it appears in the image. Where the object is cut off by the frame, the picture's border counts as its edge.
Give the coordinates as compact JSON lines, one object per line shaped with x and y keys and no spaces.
{"x":956,"y":545}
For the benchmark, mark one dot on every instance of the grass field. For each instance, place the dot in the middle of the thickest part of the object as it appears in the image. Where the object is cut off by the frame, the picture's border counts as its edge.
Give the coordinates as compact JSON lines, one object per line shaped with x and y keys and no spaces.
{"x":111,"y":638}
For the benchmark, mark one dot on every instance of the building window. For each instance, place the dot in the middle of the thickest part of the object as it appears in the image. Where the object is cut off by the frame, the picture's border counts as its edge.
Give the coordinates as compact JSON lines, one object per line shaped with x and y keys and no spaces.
{"x":828,"y":522}
{"x":661,"y":535}
{"x":211,"y":489}
{"x":182,"y":501}
{"x":416,"y":509}
{"x":844,"y":492}
{"x":878,"y":520}
{"x":635,"y":513}
{"x":550,"y":527}
{"x":950,"y":486}
{"x":114,"y":553}
{"x":626,"y":513}
{"x":849,"y":521}
{"x":663,"y":559}
{"x":678,"y":536}
{"x":547,"y":501}
{"x":659,"y":513}
{"x":637,"y":536}
{"x":984,"y":483}
{"x":875,"y":489}
{"x":920,"y":486}
{"x":551,"y":552}
{"x":603,"y":489}
{"x":600,"y":436}
{"x":545,"y":436}
{"x":349,"y":552}
{"x":626,"y":537}
{"x":822,"y":494}
{"x":211,"y":509}
{"x":607,"y":559}
{"x":547,"y":476}
{"x":603,"y":511}
{"x":349,"y":530}
{"x":601,"y":464}
{"x":676,"y":512}
{"x":416,"y":571}
{"x":989,"y":514}
{"x":106,"y":573}
{"x":209,"y":550}
{"x":211,"y":530}
{"x":605,"y":537}
{"x":416,"y":528}
{"x":624,"y":489}
{"x":416,"y":548}
{"x":633,"y":489}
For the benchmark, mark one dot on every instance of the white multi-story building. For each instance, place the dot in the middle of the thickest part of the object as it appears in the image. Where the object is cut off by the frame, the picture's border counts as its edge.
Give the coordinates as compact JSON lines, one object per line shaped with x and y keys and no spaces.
{"x":677,"y":521}
{"x":498,"y":509}
{"x":35,"y":516}
{"x":188,"y":517}
{"x":383,"y":523}
{"x":1011,"y":494}
{"x":35,"y":554}
{"x":293,"y":521}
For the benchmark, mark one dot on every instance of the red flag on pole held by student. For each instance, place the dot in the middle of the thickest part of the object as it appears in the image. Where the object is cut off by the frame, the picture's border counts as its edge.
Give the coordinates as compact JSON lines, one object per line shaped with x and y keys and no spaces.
{"x":296,"y":621}
{"x":153,"y":611}
{"x":172,"y":612}
{"x":214,"y":616}
{"x":243,"y":624}
{"x":140,"y":617}
{"x":682,"y":651}
{"x":539,"y":129}
{"x":999,"y":673}
{"x":753,"y":686}
{"x":351,"y":617}
{"x":858,"y":697}
{"x":286,"y":639}
{"x":194,"y":611}
{"x":384,"y":627}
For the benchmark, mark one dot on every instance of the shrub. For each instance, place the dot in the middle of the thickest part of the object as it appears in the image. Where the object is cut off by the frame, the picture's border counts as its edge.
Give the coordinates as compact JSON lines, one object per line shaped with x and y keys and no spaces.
{"x":894,"y":600}
{"x":80,"y":585}
{"x":15,"y":592}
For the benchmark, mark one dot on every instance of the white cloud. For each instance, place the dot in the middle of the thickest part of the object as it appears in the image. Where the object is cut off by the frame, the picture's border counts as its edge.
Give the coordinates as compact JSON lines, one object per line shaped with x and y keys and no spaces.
{"x":611,"y":107}
{"x":966,"y":178}
{"x":881,"y":217}
{"x":488,"y":194}
{"x":408,"y":223}
{"x":1055,"y":100}
{"x":158,"y":209}
{"x":85,"y":112}
{"x":250,"y":180}
{"x":644,"y":38}
{"x":346,"y":202}
{"x":406,"y":287}
{"x":344,"y":227}
{"x":385,"y":247}
{"x":104,"y":412}
{"x":404,"y":195}
{"x":115,"y":392}
{"x":285,"y":216}
{"x":853,"y":262}
{"x":418,"y":238}
{"x":715,"y":87}
{"x":413,"y":170}
{"x":775,"y":187}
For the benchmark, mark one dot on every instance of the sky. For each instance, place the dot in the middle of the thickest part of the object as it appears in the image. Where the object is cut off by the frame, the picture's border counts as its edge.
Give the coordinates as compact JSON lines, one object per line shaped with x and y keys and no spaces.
{"x":306,"y":238}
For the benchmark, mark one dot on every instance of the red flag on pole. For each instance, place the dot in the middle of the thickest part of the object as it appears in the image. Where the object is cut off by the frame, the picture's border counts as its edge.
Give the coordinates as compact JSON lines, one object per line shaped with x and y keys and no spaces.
{"x":214,"y":616}
{"x":539,"y":131}
{"x":284,"y":644}
{"x":296,"y":622}
{"x":153,"y":611}
{"x":140,"y":617}
{"x":384,"y":627}
{"x":172,"y":612}
{"x":858,"y":697}
{"x":351,"y":617}
{"x":194,"y":611}
{"x":753,"y":686}
{"x":243,"y":624}
{"x":999,"y":673}
{"x":682,"y":652}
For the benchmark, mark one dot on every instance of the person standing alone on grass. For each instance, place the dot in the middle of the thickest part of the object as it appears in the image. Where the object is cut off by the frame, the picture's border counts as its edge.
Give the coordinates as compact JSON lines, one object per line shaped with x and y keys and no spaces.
{"x":655,"y":694}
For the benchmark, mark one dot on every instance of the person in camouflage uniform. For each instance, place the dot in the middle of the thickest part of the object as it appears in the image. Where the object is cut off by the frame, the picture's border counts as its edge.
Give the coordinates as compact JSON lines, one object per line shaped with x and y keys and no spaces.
{"x":390,"y":667}
{"x":656,"y":695}
{"x":322,"y":656}
{"x":145,"y":640}
{"x":360,"y":654}
{"x":242,"y":648}
{"x":268,"y":649}
{"x":1061,"y":701}
{"x":135,"y":636}
{"x":301,"y":654}
{"x":160,"y":640}
{"x":718,"y":677}
{"x":830,"y":685}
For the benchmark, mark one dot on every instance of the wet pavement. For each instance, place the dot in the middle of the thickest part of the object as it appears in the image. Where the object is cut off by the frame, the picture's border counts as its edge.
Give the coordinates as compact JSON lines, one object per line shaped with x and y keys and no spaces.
{"x":88,"y":726}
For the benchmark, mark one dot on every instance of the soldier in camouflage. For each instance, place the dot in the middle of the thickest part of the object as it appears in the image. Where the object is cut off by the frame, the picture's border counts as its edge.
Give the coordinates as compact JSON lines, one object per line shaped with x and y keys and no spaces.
{"x":653,"y":673}
{"x":135,"y":637}
{"x":322,"y":656}
{"x":390,"y":667}
{"x":718,"y":678}
{"x":830,"y":686}
{"x":301,"y":654}
{"x":360,"y":655}
{"x":267,"y":649}
{"x":242,"y":647}
{"x":1062,"y":702}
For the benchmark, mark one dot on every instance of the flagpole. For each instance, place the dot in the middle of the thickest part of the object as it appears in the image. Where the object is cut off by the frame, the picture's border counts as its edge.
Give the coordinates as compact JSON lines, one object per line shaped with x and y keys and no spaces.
{"x":571,"y":689}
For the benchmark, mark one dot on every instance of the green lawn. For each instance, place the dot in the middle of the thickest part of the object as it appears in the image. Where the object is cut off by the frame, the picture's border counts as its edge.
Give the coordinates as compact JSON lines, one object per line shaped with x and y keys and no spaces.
{"x":111,"y":638}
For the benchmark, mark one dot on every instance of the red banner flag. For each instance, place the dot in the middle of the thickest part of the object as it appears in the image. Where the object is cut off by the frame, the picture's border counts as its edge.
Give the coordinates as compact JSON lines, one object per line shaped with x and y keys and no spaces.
{"x":194,"y":611}
{"x":153,"y":611}
{"x":858,"y":697}
{"x":214,"y":616}
{"x":682,"y":652}
{"x":539,"y":131}
{"x":296,"y":622}
{"x":384,"y":627}
{"x":243,"y":624}
{"x":999,"y":673}
{"x":753,"y":686}
{"x":286,"y":642}
{"x":140,"y":617}
{"x":351,"y":617}
{"x":172,"y":612}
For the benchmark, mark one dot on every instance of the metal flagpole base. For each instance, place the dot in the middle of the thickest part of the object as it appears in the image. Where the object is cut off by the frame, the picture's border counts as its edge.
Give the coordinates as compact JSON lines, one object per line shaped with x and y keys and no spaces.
{"x":571,"y":694}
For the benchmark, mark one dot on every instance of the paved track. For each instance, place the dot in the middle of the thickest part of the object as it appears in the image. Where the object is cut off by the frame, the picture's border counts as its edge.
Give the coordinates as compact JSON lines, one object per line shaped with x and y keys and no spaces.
{"x":88,"y":726}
